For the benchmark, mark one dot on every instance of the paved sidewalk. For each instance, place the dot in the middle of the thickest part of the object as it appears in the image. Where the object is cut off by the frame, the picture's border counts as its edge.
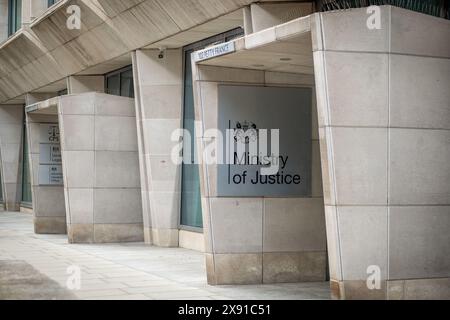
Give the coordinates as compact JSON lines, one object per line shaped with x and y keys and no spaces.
{"x":124,"y":271}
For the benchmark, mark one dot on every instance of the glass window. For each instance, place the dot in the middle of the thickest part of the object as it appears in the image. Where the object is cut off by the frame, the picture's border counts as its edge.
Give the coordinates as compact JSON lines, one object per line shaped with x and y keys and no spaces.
{"x":14,"y":16}
{"x":126,"y":84}
{"x":1,"y":188}
{"x":191,"y":210}
{"x":26,"y":181}
{"x":120,"y":83}
{"x":51,"y":2}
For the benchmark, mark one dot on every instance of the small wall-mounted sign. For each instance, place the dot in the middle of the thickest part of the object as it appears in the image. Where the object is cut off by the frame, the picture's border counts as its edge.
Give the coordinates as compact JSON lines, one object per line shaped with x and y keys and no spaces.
{"x":50,"y":161}
{"x":50,"y":175}
{"x":251,"y":112}
{"x":49,"y":133}
{"x":215,"y":51}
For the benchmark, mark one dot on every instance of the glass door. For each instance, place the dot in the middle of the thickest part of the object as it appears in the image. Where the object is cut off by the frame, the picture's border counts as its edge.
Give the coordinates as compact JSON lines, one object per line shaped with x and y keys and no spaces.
{"x":26,"y":181}
{"x":191,"y":207}
{"x":1,"y":189}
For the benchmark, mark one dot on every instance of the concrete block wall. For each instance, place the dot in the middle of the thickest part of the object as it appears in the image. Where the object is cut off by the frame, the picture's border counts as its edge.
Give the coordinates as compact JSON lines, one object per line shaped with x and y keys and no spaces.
{"x":11,"y":134}
{"x":384,"y":117}
{"x":258,"y":240}
{"x":159,"y":104}
{"x":48,"y":201}
{"x":84,"y":84}
{"x":101,"y":168}
{"x":265,"y":15}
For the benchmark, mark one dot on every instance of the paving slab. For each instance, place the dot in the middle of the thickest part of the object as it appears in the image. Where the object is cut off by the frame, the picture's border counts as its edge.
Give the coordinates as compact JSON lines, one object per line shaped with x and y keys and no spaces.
{"x":36,"y":267}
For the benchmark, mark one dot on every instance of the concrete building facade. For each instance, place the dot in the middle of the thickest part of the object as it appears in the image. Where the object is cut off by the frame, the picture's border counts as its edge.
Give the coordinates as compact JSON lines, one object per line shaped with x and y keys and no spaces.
{"x":95,"y":94}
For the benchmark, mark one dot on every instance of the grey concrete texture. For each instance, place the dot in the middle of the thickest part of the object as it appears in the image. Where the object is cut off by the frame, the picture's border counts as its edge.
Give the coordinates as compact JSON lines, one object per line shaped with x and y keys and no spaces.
{"x":263,"y":16}
{"x":131,"y":271}
{"x":101,"y":168}
{"x":159,"y":110}
{"x":20,"y":281}
{"x":11,"y":133}
{"x":48,"y":201}
{"x":117,"y":30}
{"x":246,"y":238}
{"x":385,"y":150}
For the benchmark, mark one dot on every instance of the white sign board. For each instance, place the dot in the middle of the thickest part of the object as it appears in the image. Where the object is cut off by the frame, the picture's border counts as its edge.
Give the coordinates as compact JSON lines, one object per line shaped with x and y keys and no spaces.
{"x":49,"y":153}
{"x":50,"y":161}
{"x":50,"y":175}
{"x":215,"y":51}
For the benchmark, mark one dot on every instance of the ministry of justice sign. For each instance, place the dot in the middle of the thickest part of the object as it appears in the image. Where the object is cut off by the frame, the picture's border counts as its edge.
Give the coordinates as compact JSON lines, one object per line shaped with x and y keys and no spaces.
{"x":252,"y":113}
{"x":50,"y":162}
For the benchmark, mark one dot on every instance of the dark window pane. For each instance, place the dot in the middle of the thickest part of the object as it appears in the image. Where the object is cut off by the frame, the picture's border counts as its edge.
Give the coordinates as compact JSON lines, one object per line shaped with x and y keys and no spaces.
{"x":14,"y":16}
{"x":18,"y":20}
{"x":120,"y":83}
{"x":126,"y":84}
{"x":113,"y":84}
{"x":1,"y":190}
{"x":191,"y":209}
{"x":26,"y":181}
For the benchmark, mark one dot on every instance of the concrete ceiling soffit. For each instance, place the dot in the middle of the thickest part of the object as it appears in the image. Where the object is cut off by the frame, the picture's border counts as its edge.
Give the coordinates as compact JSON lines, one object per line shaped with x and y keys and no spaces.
{"x":112,"y":8}
{"x":24,"y":64}
{"x":190,"y":13}
{"x":48,"y":51}
{"x":53,"y":31}
{"x":15,"y":54}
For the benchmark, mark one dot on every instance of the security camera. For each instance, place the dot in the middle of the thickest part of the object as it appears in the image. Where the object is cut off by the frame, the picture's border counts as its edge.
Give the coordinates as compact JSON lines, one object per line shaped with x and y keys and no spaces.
{"x":162,"y":52}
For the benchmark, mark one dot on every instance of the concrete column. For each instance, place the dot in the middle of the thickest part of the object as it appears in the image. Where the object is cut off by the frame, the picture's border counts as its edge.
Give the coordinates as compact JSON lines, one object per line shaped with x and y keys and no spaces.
{"x":11,"y":133}
{"x":83,"y":84}
{"x":159,"y":102}
{"x":266,"y":15}
{"x":257,"y":240}
{"x":101,"y":168}
{"x":37,"y":8}
{"x":26,"y":11}
{"x":3,"y":20}
{"x":32,"y":9}
{"x":48,"y":200}
{"x":385,"y":143}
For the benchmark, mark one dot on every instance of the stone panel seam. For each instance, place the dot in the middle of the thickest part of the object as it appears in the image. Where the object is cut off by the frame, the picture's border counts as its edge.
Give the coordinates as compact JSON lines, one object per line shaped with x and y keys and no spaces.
{"x":95,"y":169}
{"x":64,"y":166}
{"x":329,"y":138}
{"x":386,"y":52}
{"x":206,"y":174}
{"x":141,"y":143}
{"x":262,"y":238}
{"x":383,"y":127}
{"x":388,"y":213}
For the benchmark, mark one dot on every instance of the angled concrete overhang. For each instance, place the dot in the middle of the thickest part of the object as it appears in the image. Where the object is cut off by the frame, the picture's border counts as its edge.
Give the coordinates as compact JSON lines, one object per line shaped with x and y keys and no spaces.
{"x":283,"y":48}
{"x":46,"y":51}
